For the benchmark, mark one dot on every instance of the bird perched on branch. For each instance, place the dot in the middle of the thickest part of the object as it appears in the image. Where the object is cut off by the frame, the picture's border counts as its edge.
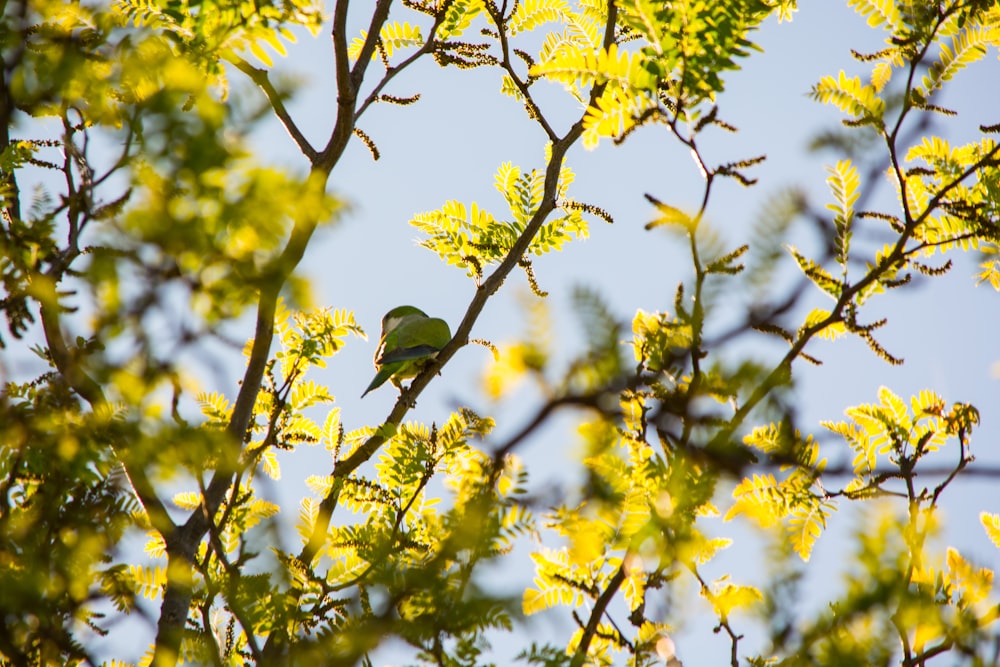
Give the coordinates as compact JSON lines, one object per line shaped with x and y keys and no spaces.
{"x":410,"y":340}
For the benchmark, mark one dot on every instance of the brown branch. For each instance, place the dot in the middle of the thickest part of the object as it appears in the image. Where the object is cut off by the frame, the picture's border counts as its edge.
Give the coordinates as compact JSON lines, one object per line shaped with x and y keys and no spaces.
{"x":342,"y":469}
{"x":348,"y":79}
{"x":392,"y":72}
{"x":183,"y":543}
{"x":260,"y":78}
{"x":522,"y":87}
{"x":66,"y":359}
{"x":600,"y":606}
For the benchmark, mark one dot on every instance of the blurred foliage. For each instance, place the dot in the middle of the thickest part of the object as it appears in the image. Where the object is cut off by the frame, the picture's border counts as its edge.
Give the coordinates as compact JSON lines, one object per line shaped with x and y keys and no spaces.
{"x":140,"y":229}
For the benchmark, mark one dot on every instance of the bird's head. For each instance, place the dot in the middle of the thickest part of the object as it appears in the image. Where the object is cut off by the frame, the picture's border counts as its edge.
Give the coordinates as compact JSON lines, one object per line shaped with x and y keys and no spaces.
{"x":397,"y":315}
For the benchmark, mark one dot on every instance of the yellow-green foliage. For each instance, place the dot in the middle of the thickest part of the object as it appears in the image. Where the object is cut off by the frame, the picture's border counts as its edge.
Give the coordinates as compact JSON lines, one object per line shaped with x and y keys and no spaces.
{"x":890,"y":432}
{"x":222,"y":29}
{"x":393,"y":37}
{"x":852,"y":97}
{"x":125,"y":273}
{"x":473,"y":238}
{"x":798,"y":499}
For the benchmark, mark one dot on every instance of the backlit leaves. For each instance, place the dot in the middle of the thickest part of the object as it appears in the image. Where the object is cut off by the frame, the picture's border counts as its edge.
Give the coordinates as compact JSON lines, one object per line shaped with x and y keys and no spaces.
{"x":967,"y":584}
{"x":831,"y":331}
{"x":309,"y":338}
{"x":939,"y":166}
{"x":797,"y":500}
{"x":418,"y":507}
{"x":458,"y":15}
{"x":860,"y":101}
{"x":659,"y":339}
{"x":843,"y":182}
{"x":960,"y":51}
{"x":991,"y":523}
{"x":210,"y":223}
{"x":612,"y":115}
{"x":878,"y":12}
{"x":627,"y":80}
{"x":669,"y":215}
{"x":889,"y":431}
{"x":220,"y":29}
{"x":554,"y":583}
{"x":393,"y":37}
{"x":148,"y":581}
{"x":727,"y":597}
{"x":989,"y":273}
{"x":530,"y":14}
{"x":473,"y":238}
{"x":627,"y":71}
{"x":817,"y":274}
{"x":692,"y":45}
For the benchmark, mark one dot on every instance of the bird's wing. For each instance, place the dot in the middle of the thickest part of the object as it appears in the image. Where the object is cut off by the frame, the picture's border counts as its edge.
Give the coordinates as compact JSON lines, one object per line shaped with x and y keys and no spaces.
{"x":384,"y":373}
{"x":408,"y":354}
{"x":415,"y":339}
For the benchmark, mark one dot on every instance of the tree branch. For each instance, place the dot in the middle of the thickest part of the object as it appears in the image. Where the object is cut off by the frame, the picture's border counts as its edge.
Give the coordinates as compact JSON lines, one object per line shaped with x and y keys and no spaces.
{"x":392,"y":72}
{"x":342,"y":469}
{"x":897,"y":254}
{"x":260,"y":78}
{"x":600,"y":606}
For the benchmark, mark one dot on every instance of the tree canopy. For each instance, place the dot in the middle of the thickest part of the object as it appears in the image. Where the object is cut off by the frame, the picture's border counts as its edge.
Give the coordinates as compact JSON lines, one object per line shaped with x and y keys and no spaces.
{"x":150,"y":236}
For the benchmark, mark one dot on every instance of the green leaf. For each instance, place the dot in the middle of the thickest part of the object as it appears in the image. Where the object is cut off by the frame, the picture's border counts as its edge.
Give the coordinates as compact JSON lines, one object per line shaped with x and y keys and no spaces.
{"x":458,"y":17}
{"x":878,"y":12}
{"x":529,"y":14}
{"x":831,"y":331}
{"x":851,"y":96}
{"x":806,"y":524}
{"x":725,"y":263}
{"x":817,"y":274}
{"x":844,"y":183}
{"x":965,"y":48}
{"x":577,"y":66}
{"x":669,"y":215}
{"x":393,"y":36}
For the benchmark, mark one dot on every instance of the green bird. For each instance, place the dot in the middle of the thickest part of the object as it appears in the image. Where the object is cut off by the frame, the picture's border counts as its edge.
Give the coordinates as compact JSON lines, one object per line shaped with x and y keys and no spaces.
{"x":410,"y":340}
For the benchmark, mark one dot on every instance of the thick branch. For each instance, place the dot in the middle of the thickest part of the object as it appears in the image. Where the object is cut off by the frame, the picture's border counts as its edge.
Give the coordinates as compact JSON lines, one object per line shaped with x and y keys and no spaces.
{"x":182,"y":544}
{"x":461,"y":338}
{"x":489,"y":287}
{"x":348,"y":79}
{"x":600,"y":606}
{"x":11,"y":200}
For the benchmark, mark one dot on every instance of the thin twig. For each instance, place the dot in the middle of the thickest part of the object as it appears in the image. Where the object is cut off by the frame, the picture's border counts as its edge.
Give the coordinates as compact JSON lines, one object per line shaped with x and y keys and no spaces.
{"x":259,"y":77}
